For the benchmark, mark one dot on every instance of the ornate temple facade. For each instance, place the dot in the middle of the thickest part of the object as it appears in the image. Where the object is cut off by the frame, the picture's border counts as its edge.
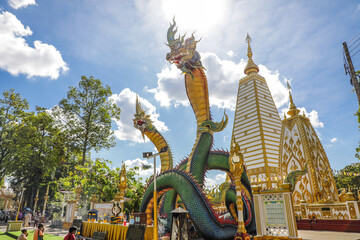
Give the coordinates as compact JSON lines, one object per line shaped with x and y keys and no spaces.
{"x":301,"y":148}
{"x":257,"y":126}
{"x":274,"y":148}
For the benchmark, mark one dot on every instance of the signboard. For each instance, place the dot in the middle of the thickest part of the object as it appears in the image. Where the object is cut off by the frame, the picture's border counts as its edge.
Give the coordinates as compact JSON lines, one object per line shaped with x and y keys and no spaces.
{"x":275,"y":214}
{"x":104,"y":209}
{"x":136,"y":232}
{"x":140,"y":218}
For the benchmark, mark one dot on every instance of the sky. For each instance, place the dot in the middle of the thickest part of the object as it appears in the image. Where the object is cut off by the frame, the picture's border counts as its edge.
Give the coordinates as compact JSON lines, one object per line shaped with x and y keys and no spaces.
{"x":47,"y":45}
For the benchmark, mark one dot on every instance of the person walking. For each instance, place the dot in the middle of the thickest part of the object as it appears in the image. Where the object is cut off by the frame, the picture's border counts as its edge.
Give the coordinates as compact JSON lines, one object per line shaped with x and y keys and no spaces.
{"x":23,"y":235}
{"x":71,"y":234}
{"x":39,"y":233}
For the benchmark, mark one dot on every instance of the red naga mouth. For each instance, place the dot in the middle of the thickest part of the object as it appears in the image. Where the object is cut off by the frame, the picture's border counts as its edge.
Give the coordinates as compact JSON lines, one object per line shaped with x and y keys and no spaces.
{"x":176,"y":59}
{"x":140,"y":123}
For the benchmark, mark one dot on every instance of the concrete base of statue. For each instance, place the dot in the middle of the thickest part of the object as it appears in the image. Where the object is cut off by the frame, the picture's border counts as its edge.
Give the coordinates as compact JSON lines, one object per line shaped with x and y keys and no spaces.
{"x":14,"y":226}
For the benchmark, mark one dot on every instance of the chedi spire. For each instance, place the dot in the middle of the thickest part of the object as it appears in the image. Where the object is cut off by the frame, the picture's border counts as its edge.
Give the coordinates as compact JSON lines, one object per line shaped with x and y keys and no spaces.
{"x":250,"y":66}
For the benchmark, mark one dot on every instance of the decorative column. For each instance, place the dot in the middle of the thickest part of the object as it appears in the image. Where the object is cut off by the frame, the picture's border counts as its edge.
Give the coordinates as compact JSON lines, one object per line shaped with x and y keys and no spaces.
{"x":352,"y":206}
{"x":120,"y":196}
{"x":236,"y":163}
{"x":36,"y":200}
{"x":46,"y":198}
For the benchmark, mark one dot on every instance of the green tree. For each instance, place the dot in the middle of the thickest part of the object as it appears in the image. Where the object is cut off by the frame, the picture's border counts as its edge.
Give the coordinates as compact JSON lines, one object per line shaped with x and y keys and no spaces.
{"x":96,"y":177}
{"x":348,"y":180}
{"x":135,"y":190}
{"x":40,"y":149}
{"x":87,"y":113}
{"x":12,"y":110}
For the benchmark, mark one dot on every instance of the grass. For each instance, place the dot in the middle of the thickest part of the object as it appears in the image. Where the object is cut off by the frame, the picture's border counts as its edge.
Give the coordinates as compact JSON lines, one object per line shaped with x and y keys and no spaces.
{"x":16,"y":234}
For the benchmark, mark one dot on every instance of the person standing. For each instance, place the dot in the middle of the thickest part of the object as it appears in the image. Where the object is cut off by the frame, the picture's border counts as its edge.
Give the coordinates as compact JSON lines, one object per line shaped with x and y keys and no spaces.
{"x":27,"y":219}
{"x":71,"y":234}
{"x":23,"y":235}
{"x":36,"y":220}
{"x":39,"y":233}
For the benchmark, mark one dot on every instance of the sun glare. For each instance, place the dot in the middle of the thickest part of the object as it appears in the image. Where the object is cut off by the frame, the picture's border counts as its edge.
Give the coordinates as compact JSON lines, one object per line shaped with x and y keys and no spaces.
{"x":199,"y":15}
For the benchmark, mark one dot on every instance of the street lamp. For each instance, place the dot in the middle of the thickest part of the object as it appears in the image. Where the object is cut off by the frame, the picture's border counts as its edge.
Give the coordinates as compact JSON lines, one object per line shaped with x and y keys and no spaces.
{"x":149,"y":155}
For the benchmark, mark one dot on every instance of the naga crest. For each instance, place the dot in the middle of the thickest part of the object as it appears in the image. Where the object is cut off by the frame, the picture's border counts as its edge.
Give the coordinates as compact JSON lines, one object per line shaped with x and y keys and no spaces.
{"x":142,"y":121}
{"x":182,"y":53}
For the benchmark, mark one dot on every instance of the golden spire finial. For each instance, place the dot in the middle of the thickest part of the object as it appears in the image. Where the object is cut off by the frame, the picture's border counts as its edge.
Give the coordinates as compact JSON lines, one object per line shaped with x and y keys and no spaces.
{"x":292,"y":108}
{"x":251,"y":66}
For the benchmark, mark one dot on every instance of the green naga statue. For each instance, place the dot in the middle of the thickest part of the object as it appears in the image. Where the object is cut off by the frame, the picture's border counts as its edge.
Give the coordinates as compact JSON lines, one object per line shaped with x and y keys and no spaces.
{"x":186,"y":180}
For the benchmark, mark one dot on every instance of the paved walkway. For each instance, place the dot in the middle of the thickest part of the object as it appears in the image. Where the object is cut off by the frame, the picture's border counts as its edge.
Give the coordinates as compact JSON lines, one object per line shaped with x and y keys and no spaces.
{"x":53,"y":231}
{"x":318,"y":235}
{"x":305,"y":234}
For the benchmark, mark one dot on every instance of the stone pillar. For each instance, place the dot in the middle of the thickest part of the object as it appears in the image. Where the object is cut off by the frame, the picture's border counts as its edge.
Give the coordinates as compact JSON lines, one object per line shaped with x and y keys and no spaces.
{"x":70,"y":213}
{"x":259,"y":211}
{"x":303,"y":209}
{"x":352,"y":206}
{"x":289,"y":211}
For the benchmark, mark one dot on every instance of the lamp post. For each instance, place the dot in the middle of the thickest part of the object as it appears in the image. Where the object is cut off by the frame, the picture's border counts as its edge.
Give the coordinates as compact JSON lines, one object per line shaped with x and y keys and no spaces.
{"x":22,"y":194}
{"x":149,"y":155}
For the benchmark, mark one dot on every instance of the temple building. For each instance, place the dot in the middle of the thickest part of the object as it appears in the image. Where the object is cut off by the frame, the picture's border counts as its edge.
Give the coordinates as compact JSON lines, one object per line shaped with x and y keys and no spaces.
{"x":274,"y":148}
{"x":300,"y":147}
{"x":257,"y":126}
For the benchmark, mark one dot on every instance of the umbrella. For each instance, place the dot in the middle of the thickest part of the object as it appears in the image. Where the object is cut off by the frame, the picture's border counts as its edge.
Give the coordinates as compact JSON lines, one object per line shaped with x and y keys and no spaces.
{"x":27,"y":209}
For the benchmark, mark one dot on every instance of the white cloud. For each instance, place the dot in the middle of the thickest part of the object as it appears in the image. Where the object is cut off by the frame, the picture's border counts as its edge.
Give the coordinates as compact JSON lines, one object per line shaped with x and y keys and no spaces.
{"x":230,"y":53}
{"x":218,"y":179}
{"x":171,"y":88}
{"x":223,"y":77}
{"x":126,"y":100}
{"x":16,"y":4}
{"x":333,"y":140}
{"x":17,"y":57}
{"x":313,"y":116}
{"x":139,"y":163}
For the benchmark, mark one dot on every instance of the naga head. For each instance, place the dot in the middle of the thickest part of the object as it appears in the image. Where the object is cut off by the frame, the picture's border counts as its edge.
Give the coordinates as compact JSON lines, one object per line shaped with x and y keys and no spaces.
{"x":142,"y":121}
{"x":182,"y":53}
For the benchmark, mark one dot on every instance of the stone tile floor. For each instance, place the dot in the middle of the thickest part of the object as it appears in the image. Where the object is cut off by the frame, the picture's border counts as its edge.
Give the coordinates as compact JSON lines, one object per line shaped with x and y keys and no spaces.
{"x":305,"y":234}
